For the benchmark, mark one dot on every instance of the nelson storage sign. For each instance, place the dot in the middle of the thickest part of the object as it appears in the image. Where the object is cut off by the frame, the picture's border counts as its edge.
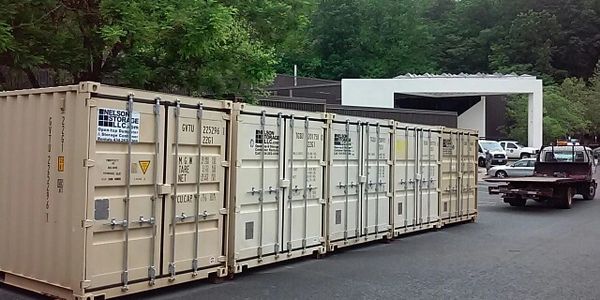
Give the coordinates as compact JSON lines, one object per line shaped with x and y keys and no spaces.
{"x":113,"y":126}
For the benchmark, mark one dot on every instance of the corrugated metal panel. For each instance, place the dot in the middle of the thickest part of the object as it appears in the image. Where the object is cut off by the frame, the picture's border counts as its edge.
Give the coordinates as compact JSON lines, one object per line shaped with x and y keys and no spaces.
{"x":41,"y":176}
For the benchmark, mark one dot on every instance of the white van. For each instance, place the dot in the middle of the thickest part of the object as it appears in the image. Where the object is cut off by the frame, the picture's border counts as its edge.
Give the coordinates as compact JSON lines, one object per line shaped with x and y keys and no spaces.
{"x":498,"y":153}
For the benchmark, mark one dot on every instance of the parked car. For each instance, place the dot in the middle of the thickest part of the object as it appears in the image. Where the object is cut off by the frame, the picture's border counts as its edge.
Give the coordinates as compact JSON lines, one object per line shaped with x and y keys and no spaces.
{"x":515,"y":150}
{"x":521,"y":168}
{"x":498,"y":153}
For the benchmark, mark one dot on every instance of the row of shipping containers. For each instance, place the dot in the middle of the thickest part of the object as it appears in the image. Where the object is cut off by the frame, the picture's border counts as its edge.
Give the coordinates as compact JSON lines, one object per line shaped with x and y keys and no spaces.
{"x":109,"y":191}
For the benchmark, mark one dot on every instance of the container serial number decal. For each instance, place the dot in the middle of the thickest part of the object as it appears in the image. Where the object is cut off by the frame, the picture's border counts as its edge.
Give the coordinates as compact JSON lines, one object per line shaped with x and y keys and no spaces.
{"x":113,"y":125}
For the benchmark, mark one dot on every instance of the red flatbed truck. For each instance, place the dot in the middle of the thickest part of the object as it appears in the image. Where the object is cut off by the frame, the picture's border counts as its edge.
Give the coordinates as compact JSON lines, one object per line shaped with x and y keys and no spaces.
{"x":560,"y":173}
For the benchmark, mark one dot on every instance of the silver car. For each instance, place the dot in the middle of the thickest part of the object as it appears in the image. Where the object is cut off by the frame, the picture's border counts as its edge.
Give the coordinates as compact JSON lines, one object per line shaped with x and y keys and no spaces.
{"x":523,"y":167}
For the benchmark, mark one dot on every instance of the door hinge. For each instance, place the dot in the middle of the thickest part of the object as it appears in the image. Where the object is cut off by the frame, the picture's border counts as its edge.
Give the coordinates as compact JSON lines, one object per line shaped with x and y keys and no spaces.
{"x":90,"y":102}
{"x":88,"y":163}
{"x":222,"y":259}
{"x":87,"y":223}
{"x":225,"y":164}
{"x":223,"y":211}
{"x":85,"y":284}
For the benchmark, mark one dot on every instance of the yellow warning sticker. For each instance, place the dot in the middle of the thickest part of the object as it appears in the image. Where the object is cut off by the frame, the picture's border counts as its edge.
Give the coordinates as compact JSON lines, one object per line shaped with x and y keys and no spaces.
{"x":144,"y":165}
{"x":61,"y":164}
{"x":401,"y":148}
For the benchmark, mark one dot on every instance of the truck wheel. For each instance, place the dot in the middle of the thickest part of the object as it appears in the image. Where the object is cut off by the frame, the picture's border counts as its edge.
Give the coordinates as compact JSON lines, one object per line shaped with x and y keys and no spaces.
{"x":565,"y":198}
{"x":525,"y":155}
{"x":590,"y":192}
{"x":519,"y":202}
{"x":481,"y":162}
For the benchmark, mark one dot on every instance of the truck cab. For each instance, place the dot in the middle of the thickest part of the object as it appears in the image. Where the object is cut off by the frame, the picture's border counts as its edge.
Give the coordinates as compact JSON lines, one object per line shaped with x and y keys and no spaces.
{"x":515,"y":150}
{"x":499,"y":157}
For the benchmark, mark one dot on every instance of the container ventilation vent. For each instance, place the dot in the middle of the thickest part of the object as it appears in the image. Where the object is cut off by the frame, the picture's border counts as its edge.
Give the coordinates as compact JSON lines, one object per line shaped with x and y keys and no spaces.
{"x":338,"y":217}
{"x":249,"y":230}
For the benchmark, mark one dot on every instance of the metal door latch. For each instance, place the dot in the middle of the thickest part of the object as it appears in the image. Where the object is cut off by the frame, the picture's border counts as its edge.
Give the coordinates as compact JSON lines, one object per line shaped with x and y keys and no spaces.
{"x":181,"y":217}
{"x":143,"y":221}
{"x":113,"y":223}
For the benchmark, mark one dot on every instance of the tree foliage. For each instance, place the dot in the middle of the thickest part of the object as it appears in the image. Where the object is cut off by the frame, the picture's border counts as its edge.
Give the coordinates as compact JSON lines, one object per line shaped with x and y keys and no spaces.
{"x":224,"y":47}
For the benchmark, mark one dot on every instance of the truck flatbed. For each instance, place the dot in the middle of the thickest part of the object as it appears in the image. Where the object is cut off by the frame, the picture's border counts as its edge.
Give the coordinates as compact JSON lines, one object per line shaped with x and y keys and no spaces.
{"x":535,"y":179}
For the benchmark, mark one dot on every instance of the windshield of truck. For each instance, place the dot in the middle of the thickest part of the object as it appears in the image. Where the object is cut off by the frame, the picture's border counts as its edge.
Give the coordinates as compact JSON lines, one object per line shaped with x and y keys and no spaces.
{"x":564,"y":154}
{"x":491,"y":146}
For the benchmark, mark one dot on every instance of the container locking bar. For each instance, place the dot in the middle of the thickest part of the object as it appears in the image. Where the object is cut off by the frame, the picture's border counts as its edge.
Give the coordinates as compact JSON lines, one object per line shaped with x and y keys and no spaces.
{"x":174,"y":217}
{"x":279,"y":180}
{"x":421,"y":171}
{"x":156,"y":193}
{"x":429,"y":162}
{"x":346,"y":203}
{"x":306,"y":190}
{"x":261,"y":196}
{"x":367,"y":173}
{"x":199,"y":119}
{"x":291,"y":192}
{"x":415,"y":179}
{"x":405,"y":200}
{"x":125,"y":274}
{"x":378,"y":179}
{"x":358,"y":177}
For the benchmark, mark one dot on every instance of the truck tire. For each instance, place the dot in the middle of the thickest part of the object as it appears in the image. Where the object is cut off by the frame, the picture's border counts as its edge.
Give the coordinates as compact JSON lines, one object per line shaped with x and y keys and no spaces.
{"x":565,"y":198}
{"x":590,"y":192}
{"x":518,"y":202}
{"x":525,"y":155}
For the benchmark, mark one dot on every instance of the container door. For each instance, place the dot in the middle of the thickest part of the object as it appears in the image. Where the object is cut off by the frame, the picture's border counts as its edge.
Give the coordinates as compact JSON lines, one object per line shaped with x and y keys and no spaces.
{"x":428,"y":175}
{"x":259,"y":189}
{"x":304,"y":167}
{"x":469,"y":174}
{"x":375,"y":200}
{"x":126,"y":163}
{"x":450,"y":175}
{"x":344,"y":206}
{"x":196,"y":171}
{"x":405,"y":187}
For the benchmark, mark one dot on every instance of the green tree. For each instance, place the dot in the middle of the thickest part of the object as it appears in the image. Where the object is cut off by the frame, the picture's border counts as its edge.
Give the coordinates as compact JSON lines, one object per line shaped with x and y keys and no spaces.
{"x":526,"y":49}
{"x":189,"y":46}
{"x":562,"y":116}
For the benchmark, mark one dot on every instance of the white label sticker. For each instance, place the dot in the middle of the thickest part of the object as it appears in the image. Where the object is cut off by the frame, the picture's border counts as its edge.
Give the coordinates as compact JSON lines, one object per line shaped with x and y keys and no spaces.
{"x":113,"y":126}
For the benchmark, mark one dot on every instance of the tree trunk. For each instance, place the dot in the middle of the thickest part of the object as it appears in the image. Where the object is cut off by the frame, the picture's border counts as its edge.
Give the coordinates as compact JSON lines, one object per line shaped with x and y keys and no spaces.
{"x":32,"y":79}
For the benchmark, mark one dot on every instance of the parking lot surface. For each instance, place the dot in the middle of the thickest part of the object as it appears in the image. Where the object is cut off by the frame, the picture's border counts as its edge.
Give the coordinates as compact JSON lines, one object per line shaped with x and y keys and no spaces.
{"x":535,"y":252}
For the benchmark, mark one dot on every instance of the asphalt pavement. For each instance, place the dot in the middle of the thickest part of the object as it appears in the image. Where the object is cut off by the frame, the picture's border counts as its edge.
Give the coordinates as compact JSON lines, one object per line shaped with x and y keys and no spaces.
{"x":533,"y":252}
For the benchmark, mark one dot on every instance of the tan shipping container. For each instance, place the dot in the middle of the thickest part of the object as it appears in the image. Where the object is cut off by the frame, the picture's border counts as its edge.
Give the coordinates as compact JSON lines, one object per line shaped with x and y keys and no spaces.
{"x":109,"y":191}
{"x":359,"y":175}
{"x":416,"y":178}
{"x":458,"y":176}
{"x":277,"y":185}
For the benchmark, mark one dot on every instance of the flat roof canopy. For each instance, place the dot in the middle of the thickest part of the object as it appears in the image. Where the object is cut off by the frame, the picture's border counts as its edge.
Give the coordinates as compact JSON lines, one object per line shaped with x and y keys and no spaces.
{"x":380,"y":92}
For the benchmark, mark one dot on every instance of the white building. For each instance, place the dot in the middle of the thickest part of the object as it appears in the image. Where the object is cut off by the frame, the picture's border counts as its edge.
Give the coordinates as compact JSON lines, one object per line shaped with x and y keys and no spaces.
{"x":382,"y":93}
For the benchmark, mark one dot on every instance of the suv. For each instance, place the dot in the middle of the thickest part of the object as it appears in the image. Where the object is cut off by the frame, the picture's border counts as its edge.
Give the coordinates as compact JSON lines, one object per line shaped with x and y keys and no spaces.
{"x":515,"y":150}
{"x":498,"y":153}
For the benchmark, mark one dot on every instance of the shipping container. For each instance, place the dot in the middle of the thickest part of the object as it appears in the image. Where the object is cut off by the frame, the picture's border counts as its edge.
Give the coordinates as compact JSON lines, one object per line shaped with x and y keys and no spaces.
{"x":109,"y":191}
{"x":277,"y":185}
{"x":359,"y":176}
{"x":416,"y":178}
{"x":458,"y":176}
